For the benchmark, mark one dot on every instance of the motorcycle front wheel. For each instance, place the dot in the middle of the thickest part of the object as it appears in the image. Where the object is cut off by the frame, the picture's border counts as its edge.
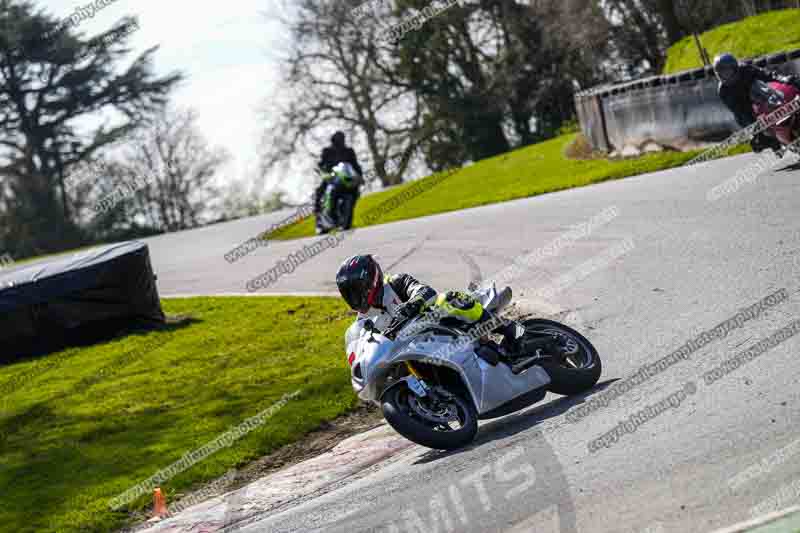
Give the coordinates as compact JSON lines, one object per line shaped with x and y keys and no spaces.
{"x":442,"y":425}
{"x":346,"y":212}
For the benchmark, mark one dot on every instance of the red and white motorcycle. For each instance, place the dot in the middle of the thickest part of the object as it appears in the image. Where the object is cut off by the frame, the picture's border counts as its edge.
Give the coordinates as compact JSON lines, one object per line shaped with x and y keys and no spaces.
{"x":777,"y":105}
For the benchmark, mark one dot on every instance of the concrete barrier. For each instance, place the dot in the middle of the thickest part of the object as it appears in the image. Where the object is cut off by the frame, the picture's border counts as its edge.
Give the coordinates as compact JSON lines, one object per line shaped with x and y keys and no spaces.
{"x":679,"y":111}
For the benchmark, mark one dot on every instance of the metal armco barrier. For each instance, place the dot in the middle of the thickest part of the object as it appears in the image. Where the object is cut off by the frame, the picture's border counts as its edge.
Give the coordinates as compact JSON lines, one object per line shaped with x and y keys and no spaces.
{"x":680,"y":111}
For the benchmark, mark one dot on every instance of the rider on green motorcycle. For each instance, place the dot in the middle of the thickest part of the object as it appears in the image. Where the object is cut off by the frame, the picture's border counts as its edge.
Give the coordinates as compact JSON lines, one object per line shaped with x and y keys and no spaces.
{"x":332,"y":160}
{"x":342,"y":180}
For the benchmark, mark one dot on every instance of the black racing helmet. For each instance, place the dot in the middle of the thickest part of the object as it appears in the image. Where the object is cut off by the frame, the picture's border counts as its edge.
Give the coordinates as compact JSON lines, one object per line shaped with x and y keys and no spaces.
{"x":726,"y":67}
{"x":360,"y":280}
{"x":338,"y":138}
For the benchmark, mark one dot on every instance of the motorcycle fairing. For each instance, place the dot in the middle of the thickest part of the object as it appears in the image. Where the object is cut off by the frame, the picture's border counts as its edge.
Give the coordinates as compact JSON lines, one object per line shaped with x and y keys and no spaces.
{"x":489,"y":386}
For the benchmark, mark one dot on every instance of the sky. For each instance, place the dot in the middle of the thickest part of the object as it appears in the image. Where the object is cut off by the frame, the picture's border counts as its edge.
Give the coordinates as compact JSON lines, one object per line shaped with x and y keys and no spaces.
{"x":229,"y":51}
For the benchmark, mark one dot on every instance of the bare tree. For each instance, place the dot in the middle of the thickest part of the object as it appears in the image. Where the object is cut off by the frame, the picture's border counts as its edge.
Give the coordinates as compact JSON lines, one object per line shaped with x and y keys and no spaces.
{"x":341,"y":74}
{"x":241,"y":200}
{"x":179,"y":167}
{"x":50,"y":76}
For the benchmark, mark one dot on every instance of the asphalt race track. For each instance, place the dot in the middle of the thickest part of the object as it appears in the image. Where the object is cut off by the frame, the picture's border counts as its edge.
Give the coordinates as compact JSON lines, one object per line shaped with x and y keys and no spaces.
{"x":694,"y":264}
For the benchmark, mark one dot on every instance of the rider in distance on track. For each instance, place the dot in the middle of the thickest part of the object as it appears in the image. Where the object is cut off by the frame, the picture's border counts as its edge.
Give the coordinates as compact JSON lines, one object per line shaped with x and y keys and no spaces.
{"x":735,"y":81}
{"x":337,"y":152}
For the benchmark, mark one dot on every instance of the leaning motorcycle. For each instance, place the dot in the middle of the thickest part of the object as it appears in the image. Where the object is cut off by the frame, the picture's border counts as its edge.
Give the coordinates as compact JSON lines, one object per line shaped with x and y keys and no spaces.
{"x":434,"y":380}
{"x":337,"y":209}
{"x":768,"y":98}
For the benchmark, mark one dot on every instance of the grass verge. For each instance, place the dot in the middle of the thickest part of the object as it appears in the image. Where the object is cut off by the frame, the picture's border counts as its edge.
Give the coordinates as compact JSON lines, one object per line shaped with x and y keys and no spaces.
{"x":75,"y":434}
{"x":768,"y":33}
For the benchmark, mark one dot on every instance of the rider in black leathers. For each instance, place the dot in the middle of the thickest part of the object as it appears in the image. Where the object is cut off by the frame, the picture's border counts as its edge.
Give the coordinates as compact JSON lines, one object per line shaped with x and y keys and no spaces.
{"x":389,"y":301}
{"x":337,"y":152}
{"x":735,"y":81}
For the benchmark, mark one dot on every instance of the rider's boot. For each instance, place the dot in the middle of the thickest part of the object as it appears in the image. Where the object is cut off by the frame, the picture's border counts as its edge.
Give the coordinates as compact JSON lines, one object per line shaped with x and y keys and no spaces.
{"x":775,"y":145}
{"x":511,"y":345}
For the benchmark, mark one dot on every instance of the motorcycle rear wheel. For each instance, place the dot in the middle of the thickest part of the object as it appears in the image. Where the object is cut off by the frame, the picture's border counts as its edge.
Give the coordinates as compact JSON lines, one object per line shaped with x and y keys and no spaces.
{"x":573,"y":374}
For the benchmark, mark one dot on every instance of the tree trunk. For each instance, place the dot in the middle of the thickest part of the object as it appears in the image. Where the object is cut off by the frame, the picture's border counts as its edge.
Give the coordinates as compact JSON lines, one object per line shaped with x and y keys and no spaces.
{"x":672,"y":25}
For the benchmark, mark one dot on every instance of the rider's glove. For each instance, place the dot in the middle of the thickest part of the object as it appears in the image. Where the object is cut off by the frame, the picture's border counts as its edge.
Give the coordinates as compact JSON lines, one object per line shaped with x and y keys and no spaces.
{"x":405,"y":312}
{"x":411,"y":308}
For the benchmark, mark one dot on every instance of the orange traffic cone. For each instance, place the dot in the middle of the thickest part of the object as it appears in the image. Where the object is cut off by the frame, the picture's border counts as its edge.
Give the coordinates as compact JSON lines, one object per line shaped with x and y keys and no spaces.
{"x":159,"y":504}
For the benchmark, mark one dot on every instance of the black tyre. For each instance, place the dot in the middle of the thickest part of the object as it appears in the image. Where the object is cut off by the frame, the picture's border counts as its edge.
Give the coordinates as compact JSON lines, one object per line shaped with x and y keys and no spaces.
{"x":574,"y":373}
{"x":402,"y":412}
{"x":346,"y":212}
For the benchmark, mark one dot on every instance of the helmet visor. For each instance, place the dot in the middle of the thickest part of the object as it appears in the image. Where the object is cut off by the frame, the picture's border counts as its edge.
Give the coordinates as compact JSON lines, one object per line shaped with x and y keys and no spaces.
{"x":354,"y":292}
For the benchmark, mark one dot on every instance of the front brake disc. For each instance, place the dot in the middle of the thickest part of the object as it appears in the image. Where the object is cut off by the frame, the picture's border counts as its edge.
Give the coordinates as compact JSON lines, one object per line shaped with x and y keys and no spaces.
{"x":437,"y":417}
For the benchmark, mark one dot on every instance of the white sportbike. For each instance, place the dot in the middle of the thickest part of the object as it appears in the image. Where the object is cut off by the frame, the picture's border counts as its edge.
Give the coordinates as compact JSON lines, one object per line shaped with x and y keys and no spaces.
{"x":435,"y":379}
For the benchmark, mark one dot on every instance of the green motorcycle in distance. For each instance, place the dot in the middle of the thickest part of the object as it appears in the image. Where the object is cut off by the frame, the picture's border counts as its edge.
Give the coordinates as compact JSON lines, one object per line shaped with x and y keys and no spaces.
{"x":339,"y":199}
